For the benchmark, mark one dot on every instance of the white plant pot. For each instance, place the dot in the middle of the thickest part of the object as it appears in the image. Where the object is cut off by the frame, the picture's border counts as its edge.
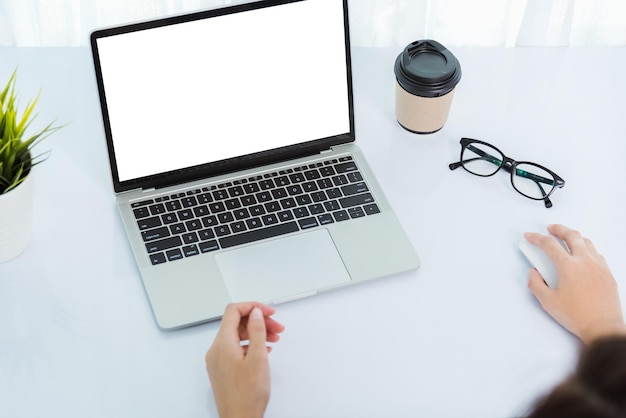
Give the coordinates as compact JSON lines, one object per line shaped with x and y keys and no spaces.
{"x":16,"y":219}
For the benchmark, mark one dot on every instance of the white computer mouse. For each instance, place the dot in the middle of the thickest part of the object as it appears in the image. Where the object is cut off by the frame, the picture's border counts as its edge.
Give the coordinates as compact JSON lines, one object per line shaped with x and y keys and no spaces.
{"x":540,"y":260}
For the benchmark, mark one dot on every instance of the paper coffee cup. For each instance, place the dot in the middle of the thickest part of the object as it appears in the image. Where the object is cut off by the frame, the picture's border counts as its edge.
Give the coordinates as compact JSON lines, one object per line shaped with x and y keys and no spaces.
{"x":426,"y":76}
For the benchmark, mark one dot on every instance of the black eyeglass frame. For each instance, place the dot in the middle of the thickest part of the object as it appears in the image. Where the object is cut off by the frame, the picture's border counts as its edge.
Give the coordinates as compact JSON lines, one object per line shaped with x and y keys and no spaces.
{"x":509,"y":165}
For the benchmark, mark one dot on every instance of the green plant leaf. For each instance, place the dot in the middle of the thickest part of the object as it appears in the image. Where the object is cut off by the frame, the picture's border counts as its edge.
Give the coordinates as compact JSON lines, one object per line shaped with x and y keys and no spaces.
{"x":16,"y":156}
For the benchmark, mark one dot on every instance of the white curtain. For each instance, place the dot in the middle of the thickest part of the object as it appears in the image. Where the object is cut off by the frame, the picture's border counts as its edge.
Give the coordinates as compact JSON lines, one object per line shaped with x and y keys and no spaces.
{"x":380,"y":23}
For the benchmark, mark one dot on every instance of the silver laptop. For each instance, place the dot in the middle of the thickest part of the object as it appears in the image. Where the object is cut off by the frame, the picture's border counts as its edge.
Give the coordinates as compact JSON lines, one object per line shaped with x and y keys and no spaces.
{"x":231,"y":144}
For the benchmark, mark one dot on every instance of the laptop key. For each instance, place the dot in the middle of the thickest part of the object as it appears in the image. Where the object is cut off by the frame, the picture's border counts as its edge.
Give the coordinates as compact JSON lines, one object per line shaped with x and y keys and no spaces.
{"x":188,"y":202}
{"x":340,"y":180}
{"x":193,"y":225}
{"x":345,"y":167}
{"x":272,"y":207}
{"x":361,"y":199}
{"x":356,"y":212}
{"x":318,"y":196}
{"x":258,"y":234}
{"x":312,"y":175}
{"x":217,"y":207}
{"x":371,"y":209}
{"x":174,"y":254}
{"x":303,"y":200}
{"x":164,"y":244}
{"x":204,"y":198}
{"x":191,"y":250}
{"x":327,"y":171}
{"x":169,"y":218}
{"x":279,"y":193}
{"x":220,"y":194}
{"x":201,"y":211}
{"x":158,"y":258}
{"x":307,"y":223}
{"x":266,"y":184}
{"x":285,"y":215}
{"x":208,"y":246}
{"x":225,"y":217}
{"x":325,"y":183}
{"x":257,"y":210}
{"x":332,"y":205}
{"x":222,"y":230}
{"x":157,"y":209}
{"x":209,"y":221}
{"x":288,"y":203}
{"x":241,"y":214}
{"x":297,"y":177}
{"x":233,"y":204}
{"x":235,"y":191}
{"x":354,"y":188}
{"x":316,"y":208}
{"x":206,"y":234}
{"x":153,"y":234}
{"x":264,"y":196}
{"x":333,"y":193}
{"x":325,"y":219}
{"x":142,"y":203}
{"x":178,"y":229}
{"x":190,"y":238}
{"x":309,"y":186}
{"x":173,"y":205}
{"x":238,"y":226}
{"x":354,"y":176}
{"x":185,"y":214}
{"x":148,"y":223}
{"x":341,"y":215}
{"x":301,"y":212}
{"x":251,"y":188}
{"x":254,"y":223}
{"x":282,"y":181}
{"x":294,"y":189}
{"x":142,"y":212}
{"x":270,"y":219}
{"x":248,"y":200}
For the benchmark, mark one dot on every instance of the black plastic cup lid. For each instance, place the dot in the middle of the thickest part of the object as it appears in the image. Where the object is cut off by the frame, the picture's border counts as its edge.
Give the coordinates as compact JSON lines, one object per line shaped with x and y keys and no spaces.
{"x":426,"y":68}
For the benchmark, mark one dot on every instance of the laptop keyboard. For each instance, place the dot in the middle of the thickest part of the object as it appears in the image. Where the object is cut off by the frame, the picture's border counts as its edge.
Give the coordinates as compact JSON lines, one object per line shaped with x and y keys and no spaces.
{"x":201,"y":220}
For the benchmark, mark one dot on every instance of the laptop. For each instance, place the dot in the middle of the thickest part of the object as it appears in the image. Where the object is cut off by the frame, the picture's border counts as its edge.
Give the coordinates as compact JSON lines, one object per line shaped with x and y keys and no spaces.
{"x":231,"y":142}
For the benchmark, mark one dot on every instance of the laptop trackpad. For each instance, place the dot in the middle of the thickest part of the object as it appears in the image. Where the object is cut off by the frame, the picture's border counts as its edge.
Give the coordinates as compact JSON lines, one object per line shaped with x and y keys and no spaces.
{"x":282,"y":268}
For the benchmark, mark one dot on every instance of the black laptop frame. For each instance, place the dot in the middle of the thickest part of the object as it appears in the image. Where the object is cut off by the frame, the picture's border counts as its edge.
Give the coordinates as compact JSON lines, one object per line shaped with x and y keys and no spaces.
{"x":230,"y":165}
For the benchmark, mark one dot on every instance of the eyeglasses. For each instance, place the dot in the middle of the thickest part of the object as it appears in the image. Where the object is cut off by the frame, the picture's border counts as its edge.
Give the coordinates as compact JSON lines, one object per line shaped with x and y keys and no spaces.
{"x":529,"y":179}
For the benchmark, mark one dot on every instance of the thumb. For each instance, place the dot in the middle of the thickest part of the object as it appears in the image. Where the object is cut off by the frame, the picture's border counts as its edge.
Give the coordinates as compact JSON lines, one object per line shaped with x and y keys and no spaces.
{"x":539,"y":288}
{"x":257,"y":333}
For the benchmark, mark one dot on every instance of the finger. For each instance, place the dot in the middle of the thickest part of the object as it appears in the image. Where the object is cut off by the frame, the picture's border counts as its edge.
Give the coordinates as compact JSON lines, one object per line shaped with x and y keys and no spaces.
{"x":273,"y":328}
{"x":257,"y":333}
{"x":245,"y":349}
{"x":592,"y":248}
{"x":235,"y":314}
{"x":574,"y":240}
{"x":549,"y":245}
{"x":539,"y":288}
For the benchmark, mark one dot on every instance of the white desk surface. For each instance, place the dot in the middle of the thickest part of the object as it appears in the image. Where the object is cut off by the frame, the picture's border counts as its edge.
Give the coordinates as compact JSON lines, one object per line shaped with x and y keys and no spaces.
{"x":460,"y":337}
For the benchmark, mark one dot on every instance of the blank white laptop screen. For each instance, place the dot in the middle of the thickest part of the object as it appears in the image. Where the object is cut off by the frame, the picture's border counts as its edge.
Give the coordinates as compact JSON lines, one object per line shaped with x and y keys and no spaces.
{"x":202,"y":91}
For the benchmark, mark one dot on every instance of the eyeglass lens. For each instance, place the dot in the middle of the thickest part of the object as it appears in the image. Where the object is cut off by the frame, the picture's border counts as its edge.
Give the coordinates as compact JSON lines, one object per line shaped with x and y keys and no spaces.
{"x":481,"y":159}
{"x":532,"y":181}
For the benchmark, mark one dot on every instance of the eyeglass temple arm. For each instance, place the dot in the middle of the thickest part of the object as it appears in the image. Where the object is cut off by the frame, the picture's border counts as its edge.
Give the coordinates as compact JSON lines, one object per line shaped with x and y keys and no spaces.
{"x":483,"y":156}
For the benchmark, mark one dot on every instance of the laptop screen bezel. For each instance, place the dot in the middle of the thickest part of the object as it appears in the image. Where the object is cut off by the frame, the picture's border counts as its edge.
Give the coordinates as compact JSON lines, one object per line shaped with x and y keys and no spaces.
{"x":229,"y":165}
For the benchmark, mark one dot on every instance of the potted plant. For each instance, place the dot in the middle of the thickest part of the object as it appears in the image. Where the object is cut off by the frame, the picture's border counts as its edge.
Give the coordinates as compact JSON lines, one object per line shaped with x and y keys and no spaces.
{"x":16,"y":165}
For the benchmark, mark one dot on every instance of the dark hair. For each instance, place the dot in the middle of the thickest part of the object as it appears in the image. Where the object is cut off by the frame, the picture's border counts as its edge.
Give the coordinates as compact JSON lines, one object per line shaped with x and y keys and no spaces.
{"x":596,"y":389}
